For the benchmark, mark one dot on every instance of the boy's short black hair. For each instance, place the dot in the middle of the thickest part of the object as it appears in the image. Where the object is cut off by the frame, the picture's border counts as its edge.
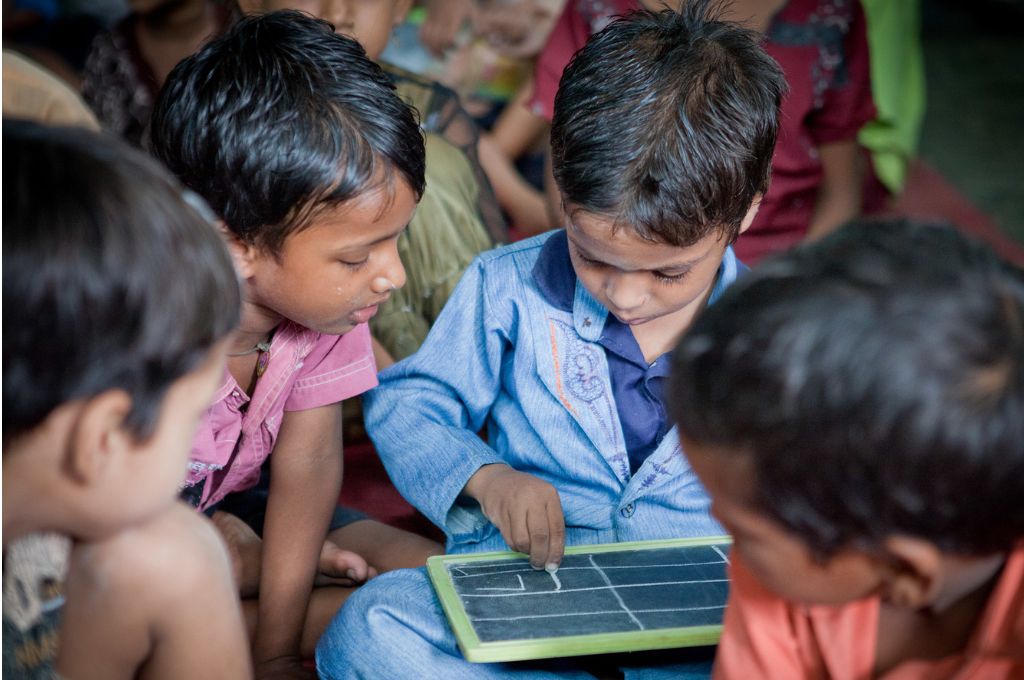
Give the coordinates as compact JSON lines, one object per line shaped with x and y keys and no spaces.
{"x":111,"y":280}
{"x":666,"y":122}
{"x":877,"y":380}
{"x":281,"y":117}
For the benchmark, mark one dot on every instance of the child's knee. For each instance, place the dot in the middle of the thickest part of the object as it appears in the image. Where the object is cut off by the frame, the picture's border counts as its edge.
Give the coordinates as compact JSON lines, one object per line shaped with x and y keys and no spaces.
{"x":350,"y":629}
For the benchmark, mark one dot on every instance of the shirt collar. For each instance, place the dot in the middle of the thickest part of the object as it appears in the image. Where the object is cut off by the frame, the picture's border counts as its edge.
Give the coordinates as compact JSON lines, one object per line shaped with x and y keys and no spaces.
{"x":553,"y":272}
{"x":557,"y":281}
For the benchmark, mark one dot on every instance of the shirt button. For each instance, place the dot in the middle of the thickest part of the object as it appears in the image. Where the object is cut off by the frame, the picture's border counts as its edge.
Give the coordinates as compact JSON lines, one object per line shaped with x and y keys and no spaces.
{"x":235,"y":394}
{"x":627,"y":511}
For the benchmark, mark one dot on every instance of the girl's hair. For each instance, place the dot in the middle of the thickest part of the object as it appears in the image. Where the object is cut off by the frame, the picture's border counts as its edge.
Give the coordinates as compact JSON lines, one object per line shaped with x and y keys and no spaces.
{"x":112,"y":278}
{"x":280,"y":118}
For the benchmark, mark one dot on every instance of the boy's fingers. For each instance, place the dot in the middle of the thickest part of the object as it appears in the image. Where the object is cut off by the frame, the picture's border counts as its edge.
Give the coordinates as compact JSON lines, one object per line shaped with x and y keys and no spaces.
{"x":537,"y":522}
{"x":556,"y":541}
{"x":521,"y":534}
{"x":515,"y":533}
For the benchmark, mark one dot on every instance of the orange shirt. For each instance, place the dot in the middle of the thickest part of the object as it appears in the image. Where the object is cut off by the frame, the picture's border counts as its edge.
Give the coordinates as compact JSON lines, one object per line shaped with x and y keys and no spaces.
{"x":767,"y":637}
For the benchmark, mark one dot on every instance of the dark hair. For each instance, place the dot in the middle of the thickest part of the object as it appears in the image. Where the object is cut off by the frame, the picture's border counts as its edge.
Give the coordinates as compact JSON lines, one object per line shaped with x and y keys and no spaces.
{"x":877,"y":380}
{"x":110,"y":279}
{"x":281,"y":117}
{"x":666,"y":122}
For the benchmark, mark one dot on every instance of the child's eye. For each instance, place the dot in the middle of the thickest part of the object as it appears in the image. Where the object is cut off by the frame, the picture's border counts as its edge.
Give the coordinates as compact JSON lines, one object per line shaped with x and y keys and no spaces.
{"x":355,"y":265}
{"x":669,"y":278}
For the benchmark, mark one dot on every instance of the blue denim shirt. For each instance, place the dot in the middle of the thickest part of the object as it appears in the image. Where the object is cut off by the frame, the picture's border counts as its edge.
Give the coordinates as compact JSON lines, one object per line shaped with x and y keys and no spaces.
{"x":501,"y":359}
{"x":638,"y":388}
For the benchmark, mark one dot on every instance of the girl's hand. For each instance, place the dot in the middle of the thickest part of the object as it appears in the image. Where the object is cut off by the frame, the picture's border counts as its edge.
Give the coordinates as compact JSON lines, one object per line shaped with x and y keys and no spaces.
{"x":525,"y":509}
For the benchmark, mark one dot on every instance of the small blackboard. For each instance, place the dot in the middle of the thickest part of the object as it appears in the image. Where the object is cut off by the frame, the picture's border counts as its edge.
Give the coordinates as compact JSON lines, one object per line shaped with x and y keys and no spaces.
{"x":614,"y":597}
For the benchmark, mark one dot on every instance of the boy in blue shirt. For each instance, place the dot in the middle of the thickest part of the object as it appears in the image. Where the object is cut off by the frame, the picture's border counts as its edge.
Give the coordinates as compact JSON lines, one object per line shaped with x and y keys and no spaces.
{"x":556,"y":347}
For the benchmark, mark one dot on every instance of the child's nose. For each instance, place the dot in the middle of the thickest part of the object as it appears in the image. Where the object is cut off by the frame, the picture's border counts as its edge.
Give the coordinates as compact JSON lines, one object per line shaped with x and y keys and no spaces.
{"x":337,"y":12}
{"x":391,"y":277}
{"x":625,"y":292}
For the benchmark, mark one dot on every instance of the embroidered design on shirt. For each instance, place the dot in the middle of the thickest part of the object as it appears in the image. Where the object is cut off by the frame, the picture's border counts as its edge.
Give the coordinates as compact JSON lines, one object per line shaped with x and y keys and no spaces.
{"x":662,"y":468}
{"x":196,"y":466}
{"x":558,"y":370}
{"x":580,"y":373}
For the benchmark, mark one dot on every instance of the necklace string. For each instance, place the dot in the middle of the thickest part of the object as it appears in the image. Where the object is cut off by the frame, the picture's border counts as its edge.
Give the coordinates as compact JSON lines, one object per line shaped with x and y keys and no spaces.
{"x":261,"y":347}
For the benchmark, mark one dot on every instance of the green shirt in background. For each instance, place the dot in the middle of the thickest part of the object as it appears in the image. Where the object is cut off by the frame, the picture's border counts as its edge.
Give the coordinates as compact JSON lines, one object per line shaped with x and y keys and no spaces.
{"x":457,"y":218}
{"x":897,"y":86}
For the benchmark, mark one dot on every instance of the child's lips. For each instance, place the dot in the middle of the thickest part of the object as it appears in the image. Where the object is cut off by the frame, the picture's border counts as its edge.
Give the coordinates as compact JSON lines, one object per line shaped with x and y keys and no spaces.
{"x":363,"y":315}
{"x":634,"y":321}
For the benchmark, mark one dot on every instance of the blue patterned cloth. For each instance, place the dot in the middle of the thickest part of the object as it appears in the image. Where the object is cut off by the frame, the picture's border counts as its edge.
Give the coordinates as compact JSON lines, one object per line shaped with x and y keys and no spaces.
{"x":638,"y":388}
{"x":502,"y":359}
{"x":536,"y":378}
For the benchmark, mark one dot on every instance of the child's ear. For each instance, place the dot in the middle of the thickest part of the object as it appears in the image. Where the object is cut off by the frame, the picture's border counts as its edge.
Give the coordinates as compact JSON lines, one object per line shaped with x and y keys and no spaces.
{"x":402,"y":8}
{"x":915,"y":572}
{"x":748,"y":219}
{"x":242,"y":254}
{"x":98,"y":437}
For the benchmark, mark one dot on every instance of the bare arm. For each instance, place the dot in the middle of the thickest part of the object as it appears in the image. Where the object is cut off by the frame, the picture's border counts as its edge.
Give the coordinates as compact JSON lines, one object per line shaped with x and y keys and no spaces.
{"x":157,"y":601}
{"x":305,"y":479}
{"x":524,"y":204}
{"x":518,"y":128}
{"x":839,"y":196}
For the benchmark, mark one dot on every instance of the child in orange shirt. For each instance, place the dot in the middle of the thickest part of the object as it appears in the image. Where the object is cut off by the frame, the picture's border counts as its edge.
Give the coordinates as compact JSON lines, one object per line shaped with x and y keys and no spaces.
{"x":855,"y":409}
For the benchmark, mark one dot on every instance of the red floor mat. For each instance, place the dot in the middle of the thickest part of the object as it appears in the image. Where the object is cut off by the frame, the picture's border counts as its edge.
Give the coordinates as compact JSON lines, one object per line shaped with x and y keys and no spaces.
{"x":367,"y":487}
{"x":929,"y":195}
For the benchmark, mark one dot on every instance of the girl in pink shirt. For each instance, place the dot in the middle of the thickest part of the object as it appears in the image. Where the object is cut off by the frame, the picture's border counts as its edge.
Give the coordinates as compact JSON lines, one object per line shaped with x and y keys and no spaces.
{"x":315,"y":167}
{"x":854,"y":409}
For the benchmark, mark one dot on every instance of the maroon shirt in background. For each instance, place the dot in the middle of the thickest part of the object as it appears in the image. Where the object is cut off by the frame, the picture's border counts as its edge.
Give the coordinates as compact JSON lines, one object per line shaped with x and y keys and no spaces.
{"x":580,"y":19}
{"x":822,"y":48}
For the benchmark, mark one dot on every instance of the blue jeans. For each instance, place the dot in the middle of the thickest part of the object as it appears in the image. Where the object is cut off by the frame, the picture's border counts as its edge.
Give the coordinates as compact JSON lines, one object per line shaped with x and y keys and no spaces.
{"x":393,"y":628}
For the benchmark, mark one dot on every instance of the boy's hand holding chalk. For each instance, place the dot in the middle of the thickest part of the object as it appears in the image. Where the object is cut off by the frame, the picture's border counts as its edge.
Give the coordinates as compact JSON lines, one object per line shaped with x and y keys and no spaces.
{"x":525,"y":509}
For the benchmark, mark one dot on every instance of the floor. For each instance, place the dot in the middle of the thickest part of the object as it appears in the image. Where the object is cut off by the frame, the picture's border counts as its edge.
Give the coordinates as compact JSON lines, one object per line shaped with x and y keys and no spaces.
{"x":973,"y":132}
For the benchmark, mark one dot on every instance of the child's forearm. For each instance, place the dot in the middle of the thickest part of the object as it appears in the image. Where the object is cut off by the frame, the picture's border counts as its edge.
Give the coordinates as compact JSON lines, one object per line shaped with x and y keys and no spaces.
{"x":524,"y":204}
{"x":518,"y":128}
{"x":306,"y":469}
{"x":440,"y":410}
{"x":839,"y":197}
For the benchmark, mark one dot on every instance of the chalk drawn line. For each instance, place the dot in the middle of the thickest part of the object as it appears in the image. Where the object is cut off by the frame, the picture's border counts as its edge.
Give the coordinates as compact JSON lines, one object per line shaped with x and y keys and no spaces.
{"x":615,"y":612}
{"x":604,"y":576}
{"x":525,"y":569}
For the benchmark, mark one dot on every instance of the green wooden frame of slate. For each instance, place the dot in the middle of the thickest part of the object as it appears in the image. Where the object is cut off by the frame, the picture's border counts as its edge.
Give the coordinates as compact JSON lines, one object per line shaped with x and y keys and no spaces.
{"x":573,"y":645}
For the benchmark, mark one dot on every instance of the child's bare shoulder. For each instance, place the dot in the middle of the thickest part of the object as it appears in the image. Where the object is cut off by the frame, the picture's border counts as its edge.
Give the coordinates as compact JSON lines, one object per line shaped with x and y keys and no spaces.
{"x":149,"y":595}
{"x":179,"y":545}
